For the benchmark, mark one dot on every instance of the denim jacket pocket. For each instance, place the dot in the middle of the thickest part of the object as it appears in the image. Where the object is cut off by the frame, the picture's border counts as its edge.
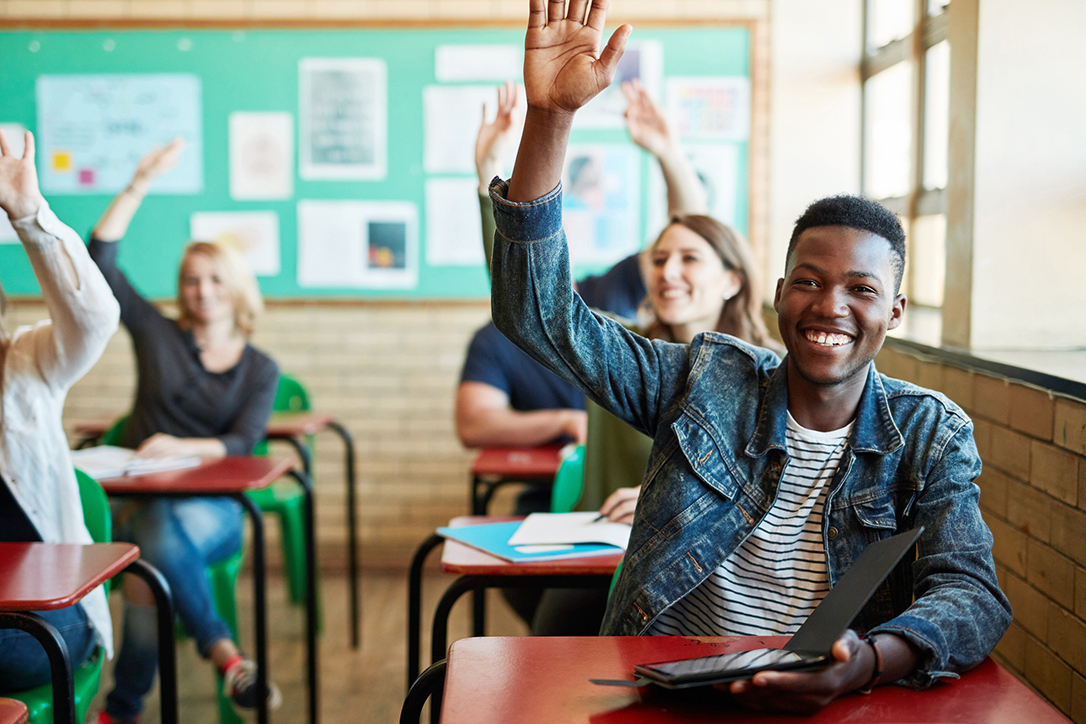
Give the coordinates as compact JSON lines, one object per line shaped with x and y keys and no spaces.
{"x":877,"y":513}
{"x":705,"y":457}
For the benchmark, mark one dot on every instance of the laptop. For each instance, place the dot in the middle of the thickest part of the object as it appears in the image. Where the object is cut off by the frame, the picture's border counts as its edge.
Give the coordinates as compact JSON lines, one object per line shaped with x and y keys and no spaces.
{"x":809,"y":647}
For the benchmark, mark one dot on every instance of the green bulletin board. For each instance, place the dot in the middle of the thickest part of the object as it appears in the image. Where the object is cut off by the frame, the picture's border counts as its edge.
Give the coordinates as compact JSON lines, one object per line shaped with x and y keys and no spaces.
{"x":258,"y":70}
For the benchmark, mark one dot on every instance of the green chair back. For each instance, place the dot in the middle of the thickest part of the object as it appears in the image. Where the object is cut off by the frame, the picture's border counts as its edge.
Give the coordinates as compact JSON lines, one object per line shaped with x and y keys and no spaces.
{"x":568,"y":481}
{"x":39,"y":701}
{"x":115,"y":432}
{"x":291,"y":396}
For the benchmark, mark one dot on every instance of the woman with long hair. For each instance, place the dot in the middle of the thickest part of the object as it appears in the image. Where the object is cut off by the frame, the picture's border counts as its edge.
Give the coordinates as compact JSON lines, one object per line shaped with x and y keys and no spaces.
{"x":202,"y":390}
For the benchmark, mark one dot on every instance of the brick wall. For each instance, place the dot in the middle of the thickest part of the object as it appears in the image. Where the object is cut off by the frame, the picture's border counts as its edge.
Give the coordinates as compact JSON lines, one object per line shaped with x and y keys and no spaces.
{"x":1033,"y":497}
{"x":388,"y":372}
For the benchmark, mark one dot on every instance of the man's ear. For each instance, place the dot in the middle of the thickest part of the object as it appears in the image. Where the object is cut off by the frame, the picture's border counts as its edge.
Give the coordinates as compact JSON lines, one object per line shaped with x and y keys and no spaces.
{"x":897,"y":312}
{"x":777,"y":295}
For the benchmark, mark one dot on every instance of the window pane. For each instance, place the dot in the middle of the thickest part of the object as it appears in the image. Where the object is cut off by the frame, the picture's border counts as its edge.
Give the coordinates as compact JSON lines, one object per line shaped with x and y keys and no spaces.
{"x":927,"y":264}
{"x":936,"y":115}
{"x":888,"y":20}
{"x":935,"y":7}
{"x":888,"y":132}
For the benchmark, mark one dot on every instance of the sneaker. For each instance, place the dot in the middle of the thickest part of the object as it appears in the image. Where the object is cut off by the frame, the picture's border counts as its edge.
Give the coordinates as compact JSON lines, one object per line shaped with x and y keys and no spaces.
{"x":239,"y":683}
{"x":104,"y":718}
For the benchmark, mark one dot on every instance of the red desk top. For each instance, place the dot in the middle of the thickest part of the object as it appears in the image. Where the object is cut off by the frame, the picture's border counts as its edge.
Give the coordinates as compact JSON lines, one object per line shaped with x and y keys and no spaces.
{"x":47,"y":576}
{"x":225,"y":475}
{"x":517,"y":462}
{"x":281,"y":424}
{"x":467,"y":561}
{"x":12,"y":712}
{"x":542,"y":680}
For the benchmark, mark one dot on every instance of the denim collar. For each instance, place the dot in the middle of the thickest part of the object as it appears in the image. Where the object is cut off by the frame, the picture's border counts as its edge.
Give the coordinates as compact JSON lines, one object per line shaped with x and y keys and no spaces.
{"x":874,"y":431}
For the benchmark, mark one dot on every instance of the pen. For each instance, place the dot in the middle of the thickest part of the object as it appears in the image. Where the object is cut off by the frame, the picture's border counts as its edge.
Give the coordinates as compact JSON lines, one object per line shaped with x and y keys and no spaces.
{"x":598,"y":518}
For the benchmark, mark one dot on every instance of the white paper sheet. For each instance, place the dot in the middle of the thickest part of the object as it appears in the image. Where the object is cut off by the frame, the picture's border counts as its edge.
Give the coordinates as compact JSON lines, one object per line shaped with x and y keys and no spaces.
{"x":562,"y":528}
{"x":261,"y":156}
{"x":342,"y":118}
{"x":93,"y":129}
{"x":14,"y":133}
{"x":256,"y":233}
{"x":600,"y":203}
{"x":642,"y":60}
{"x":453,"y":224}
{"x":717,"y":166}
{"x":357,"y":244}
{"x":713,"y":108}
{"x":453,"y":63}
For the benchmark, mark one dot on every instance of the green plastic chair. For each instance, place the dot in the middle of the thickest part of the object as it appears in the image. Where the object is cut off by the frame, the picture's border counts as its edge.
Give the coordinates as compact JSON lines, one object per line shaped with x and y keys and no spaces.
{"x":39,"y":701}
{"x":568,"y":481}
{"x":283,"y":498}
{"x":223,"y":577}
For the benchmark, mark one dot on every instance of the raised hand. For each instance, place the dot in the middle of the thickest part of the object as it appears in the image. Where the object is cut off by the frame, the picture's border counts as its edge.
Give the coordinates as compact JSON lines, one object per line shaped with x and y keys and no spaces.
{"x":156,"y":162}
{"x":645,"y":120}
{"x":495,"y":137}
{"x":563,"y":65}
{"x":19,"y":193}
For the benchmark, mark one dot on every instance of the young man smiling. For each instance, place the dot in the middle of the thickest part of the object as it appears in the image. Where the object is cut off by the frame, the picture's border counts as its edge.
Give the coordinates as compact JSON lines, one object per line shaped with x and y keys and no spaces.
{"x":767,"y":478}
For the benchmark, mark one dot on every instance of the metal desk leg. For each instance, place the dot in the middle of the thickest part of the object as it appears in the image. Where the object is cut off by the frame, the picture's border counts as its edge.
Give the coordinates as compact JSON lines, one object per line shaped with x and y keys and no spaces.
{"x":167,"y":655}
{"x":352,"y":531}
{"x":260,"y":606}
{"x":302,"y":451}
{"x":60,"y":664}
{"x":310,"y":595}
{"x":414,"y":605}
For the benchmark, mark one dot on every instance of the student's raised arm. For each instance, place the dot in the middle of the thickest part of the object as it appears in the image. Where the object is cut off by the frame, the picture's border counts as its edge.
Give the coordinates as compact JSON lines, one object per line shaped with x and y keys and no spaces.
{"x":492,"y":145}
{"x":82,"y":311}
{"x":563,"y":70}
{"x":136,"y":312}
{"x":649,"y":129}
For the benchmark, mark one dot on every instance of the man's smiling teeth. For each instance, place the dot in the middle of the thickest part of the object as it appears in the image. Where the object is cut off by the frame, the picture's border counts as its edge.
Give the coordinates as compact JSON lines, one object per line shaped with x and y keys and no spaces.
{"x":827,"y":340}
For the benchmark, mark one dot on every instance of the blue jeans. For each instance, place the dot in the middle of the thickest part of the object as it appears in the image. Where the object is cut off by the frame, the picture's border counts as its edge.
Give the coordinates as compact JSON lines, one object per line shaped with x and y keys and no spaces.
{"x":23,"y":662}
{"x":179,"y":537}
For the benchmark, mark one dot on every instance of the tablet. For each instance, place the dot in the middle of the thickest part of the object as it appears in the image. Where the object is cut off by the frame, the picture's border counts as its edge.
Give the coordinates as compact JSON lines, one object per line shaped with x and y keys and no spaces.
{"x":722,"y":668}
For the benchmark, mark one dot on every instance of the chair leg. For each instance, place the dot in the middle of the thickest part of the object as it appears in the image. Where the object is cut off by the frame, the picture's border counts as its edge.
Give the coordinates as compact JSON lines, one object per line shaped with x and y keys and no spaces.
{"x":430,"y":682}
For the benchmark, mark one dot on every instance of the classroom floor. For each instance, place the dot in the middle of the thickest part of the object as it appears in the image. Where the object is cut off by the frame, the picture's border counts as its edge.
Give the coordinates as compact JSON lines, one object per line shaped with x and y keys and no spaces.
{"x":361,"y":687}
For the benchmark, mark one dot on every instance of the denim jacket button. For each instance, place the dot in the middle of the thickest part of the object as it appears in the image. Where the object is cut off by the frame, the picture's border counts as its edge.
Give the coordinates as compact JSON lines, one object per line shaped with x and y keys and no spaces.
{"x":832,"y":533}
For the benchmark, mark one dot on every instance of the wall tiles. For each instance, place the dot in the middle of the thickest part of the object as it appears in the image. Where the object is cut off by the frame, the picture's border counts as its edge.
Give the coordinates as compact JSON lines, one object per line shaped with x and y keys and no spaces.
{"x":1049,"y":674}
{"x":991,"y":398}
{"x":1031,"y":410}
{"x":1054,"y":471}
{"x":1052,"y":574}
{"x":1009,"y":451}
{"x":1070,"y":425}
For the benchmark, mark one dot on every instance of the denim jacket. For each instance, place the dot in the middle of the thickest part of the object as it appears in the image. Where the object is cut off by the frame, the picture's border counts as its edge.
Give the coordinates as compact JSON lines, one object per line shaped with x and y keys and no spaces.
{"x":716,"y":410}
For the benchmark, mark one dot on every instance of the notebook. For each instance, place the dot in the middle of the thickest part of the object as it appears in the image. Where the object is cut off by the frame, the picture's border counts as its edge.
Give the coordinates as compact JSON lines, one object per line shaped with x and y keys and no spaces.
{"x":493,"y":538}
{"x":108,"y":461}
{"x":808,"y":648}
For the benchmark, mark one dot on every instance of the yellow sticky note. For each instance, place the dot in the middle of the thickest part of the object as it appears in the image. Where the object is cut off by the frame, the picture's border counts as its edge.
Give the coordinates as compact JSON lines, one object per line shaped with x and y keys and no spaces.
{"x":62,"y":160}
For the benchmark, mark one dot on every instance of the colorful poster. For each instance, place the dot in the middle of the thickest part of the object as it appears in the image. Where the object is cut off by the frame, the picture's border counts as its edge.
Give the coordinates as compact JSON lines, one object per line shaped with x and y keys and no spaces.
{"x":343,"y":118}
{"x":710,"y":108}
{"x":93,"y":130}
{"x":358,"y":244}
{"x":261,"y":156}
{"x":601,"y":187}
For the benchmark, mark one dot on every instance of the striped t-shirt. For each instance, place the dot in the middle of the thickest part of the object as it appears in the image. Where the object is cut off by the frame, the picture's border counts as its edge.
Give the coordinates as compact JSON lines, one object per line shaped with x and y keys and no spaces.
{"x":778,"y":575}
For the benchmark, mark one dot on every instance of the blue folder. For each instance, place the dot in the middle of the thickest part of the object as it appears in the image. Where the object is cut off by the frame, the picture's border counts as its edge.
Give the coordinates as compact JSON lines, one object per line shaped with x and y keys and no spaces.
{"x":493,"y":538}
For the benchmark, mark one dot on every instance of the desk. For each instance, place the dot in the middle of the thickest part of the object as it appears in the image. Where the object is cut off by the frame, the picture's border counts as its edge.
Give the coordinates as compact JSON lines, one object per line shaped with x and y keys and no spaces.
{"x":232,"y":477}
{"x":496,"y":466}
{"x":291,"y":427}
{"x":540,"y":679}
{"x":479,"y":571}
{"x":12,"y":712}
{"x":72,"y":571}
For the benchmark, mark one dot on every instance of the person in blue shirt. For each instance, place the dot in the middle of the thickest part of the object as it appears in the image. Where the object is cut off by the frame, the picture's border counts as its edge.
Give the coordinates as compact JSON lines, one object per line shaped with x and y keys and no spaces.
{"x":722,"y":414}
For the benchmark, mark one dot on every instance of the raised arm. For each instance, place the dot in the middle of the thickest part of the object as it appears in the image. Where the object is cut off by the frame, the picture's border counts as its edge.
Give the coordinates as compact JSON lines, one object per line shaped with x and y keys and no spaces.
{"x":491,"y":147}
{"x":82,"y":312}
{"x":563,"y":70}
{"x":114,"y":222}
{"x":648,"y":128}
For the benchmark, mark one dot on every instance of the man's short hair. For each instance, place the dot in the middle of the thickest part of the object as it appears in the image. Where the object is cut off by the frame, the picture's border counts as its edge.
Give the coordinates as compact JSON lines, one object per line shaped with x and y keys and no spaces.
{"x":859,"y":213}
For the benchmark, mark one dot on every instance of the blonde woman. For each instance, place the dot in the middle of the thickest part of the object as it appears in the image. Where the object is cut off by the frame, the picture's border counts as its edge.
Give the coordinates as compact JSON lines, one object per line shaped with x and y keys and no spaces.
{"x":202,"y":390}
{"x":39,"y":496}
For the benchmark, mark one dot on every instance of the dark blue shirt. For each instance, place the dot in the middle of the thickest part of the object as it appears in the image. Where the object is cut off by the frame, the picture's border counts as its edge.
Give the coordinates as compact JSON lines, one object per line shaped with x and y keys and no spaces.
{"x":15,"y":527}
{"x":493,"y":360}
{"x":619,"y":290}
